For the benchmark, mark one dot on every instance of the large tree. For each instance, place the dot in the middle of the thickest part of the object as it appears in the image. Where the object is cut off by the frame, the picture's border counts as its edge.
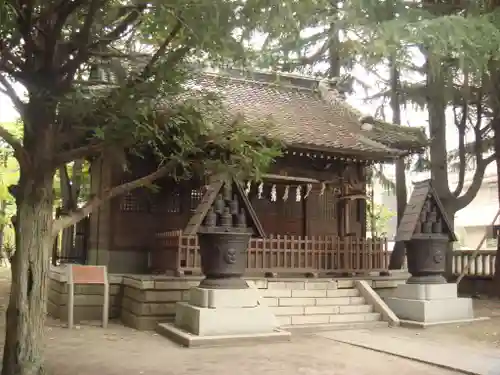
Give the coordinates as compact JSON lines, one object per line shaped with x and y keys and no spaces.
{"x":52,"y":49}
{"x":458,"y":75}
{"x":332,"y":36}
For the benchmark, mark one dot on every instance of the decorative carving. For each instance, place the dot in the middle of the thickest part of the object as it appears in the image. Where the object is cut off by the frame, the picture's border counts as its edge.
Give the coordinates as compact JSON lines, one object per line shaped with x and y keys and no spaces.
{"x":211,"y":218}
{"x":226,"y":219}
{"x":219,"y":204}
{"x":242,"y":219}
{"x":230,"y":256}
{"x":227,"y":192}
{"x":234,"y":206}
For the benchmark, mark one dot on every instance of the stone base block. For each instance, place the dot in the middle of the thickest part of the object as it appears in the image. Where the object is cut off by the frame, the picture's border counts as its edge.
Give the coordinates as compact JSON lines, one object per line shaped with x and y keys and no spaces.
{"x":189,"y":340}
{"x":430,"y":303}
{"x":225,"y":320}
{"x":223,"y":298}
{"x":426,"y":291}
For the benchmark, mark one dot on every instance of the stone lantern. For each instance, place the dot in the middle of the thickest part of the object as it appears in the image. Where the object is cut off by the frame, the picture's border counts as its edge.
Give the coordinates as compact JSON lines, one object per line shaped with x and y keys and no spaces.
{"x":426,"y":298}
{"x":223,"y":239}
{"x":223,"y":308}
{"x":427,"y":234}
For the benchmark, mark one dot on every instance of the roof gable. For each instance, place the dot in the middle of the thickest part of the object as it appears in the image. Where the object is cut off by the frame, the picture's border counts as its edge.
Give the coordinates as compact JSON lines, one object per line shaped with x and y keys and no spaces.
{"x":424,"y":209}
{"x":228,"y":191}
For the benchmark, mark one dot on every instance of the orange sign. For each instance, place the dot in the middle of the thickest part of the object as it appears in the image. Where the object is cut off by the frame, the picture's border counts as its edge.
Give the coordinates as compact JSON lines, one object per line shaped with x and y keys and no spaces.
{"x":78,"y":274}
{"x":88,"y":274}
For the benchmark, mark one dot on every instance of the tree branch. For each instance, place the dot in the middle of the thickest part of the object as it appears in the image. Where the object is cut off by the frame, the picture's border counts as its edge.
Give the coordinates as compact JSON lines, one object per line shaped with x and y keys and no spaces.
{"x":11,"y":93}
{"x":477,"y":181}
{"x":81,"y":39}
{"x":19,"y":151}
{"x":146,"y":72}
{"x":78,"y":153}
{"x":462,"y":166}
{"x":74,"y":217}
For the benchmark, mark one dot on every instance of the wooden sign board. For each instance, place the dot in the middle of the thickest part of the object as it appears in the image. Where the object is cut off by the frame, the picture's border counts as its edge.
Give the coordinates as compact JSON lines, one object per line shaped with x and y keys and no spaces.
{"x":87,"y":275}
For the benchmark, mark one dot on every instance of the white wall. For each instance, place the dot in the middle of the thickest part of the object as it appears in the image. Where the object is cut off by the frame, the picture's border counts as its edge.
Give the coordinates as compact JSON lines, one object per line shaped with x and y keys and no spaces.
{"x":470,"y":222}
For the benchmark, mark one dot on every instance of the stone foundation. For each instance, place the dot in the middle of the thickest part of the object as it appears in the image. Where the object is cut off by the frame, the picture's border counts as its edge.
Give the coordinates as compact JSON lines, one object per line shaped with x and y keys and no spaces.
{"x":148,"y":300}
{"x":142,"y":301}
{"x":89,"y":299}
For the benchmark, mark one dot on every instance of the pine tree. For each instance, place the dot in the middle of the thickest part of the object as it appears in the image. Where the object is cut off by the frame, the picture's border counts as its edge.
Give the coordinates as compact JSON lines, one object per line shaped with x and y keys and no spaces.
{"x":451,"y":37}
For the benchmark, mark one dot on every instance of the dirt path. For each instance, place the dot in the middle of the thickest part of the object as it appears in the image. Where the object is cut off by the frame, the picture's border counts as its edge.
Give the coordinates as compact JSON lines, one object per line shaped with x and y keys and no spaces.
{"x":482,"y":333}
{"x":121,"y":351}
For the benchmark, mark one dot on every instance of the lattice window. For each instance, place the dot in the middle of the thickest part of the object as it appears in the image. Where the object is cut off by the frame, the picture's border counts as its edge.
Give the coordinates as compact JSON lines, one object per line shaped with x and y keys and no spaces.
{"x":173,"y":202}
{"x":196,"y":197}
{"x":326,"y":205}
{"x":131,"y":202}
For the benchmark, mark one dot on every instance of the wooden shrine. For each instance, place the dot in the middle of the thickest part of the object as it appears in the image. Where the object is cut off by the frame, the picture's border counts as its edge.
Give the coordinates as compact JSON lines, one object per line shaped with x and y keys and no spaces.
{"x":308,"y":212}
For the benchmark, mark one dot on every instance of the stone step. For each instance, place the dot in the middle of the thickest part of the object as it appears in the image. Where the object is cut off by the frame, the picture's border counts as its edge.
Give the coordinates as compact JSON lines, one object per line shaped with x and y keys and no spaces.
{"x":309,"y":293}
{"x":321,"y":310}
{"x":310,"y":302}
{"x":312,"y":328}
{"x":327,"y":318}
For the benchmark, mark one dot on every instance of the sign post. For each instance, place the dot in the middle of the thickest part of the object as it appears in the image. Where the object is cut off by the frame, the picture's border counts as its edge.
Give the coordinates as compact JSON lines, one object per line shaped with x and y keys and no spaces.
{"x":87,"y":275}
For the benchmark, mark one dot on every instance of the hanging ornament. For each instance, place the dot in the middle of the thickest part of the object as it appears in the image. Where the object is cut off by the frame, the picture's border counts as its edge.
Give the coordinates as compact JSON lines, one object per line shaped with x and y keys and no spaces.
{"x":285,"y":194}
{"x":308,"y":191}
{"x":273,"y":193}
{"x":260,"y":190}
{"x":298,"y":193}
{"x":248,"y":187}
{"x":323,"y":187}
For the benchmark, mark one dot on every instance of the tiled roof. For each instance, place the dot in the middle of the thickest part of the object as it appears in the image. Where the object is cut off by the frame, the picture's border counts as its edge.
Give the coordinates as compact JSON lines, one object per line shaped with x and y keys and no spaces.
{"x":300,"y":117}
{"x":398,"y":136}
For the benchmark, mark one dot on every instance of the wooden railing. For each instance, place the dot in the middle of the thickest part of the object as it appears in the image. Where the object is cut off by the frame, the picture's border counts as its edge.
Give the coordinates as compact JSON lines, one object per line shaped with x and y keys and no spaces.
{"x":483,"y":265}
{"x":280,"y":254}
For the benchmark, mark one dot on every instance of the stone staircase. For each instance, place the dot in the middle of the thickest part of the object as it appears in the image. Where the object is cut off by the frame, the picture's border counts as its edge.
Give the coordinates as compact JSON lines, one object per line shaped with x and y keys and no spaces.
{"x":320,"y":305}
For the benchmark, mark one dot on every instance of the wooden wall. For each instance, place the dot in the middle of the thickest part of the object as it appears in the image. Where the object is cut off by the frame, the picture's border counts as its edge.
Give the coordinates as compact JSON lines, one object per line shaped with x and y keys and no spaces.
{"x":129,"y":222}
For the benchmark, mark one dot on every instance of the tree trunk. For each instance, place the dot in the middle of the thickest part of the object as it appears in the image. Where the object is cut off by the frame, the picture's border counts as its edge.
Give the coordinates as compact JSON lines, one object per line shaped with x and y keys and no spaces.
{"x":450,"y":210}
{"x":30,"y":264}
{"x":3,"y":253}
{"x":398,"y":252}
{"x":70,"y":191}
{"x":496,"y":276}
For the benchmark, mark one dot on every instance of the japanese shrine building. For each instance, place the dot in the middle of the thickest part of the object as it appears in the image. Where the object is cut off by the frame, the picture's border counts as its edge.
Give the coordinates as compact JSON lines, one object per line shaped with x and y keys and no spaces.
{"x":313,"y":197}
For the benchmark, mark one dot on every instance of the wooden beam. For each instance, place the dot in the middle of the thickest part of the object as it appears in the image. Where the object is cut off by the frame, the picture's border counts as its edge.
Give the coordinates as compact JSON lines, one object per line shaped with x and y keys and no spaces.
{"x":279,"y":177}
{"x":354,"y":196}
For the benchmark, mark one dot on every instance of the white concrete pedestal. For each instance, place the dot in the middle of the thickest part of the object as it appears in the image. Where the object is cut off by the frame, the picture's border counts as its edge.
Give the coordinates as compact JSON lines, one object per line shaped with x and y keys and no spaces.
{"x":430,"y":304}
{"x":222,"y":316}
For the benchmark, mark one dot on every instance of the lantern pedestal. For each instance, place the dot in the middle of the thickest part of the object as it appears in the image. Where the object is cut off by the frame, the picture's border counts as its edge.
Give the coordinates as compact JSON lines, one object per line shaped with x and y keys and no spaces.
{"x":215,"y":317}
{"x":430,"y":304}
